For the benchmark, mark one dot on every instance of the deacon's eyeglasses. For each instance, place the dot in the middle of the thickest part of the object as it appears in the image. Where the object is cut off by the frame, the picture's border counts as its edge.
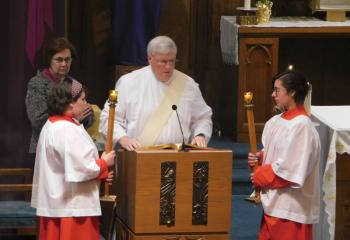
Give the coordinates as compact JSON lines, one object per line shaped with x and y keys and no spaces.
{"x":61,"y":59}
{"x":165,"y":62}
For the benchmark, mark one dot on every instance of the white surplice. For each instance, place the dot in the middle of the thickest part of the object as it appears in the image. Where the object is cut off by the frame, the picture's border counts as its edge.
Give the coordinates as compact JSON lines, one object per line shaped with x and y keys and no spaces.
{"x":139,"y":94}
{"x":292,"y":147}
{"x":64,"y":183}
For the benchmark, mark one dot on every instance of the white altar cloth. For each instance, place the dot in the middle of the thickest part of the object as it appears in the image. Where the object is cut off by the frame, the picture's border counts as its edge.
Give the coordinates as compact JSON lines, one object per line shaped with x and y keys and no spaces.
{"x":334,"y":131}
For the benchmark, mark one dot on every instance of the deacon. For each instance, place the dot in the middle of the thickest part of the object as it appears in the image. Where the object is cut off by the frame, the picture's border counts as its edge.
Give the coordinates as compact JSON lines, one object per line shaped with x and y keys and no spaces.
{"x":289,"y":173}
{"x":147,"y":98}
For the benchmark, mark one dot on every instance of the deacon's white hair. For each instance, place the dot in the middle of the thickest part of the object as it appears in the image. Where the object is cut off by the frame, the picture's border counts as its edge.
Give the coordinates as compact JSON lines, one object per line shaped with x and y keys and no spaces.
{"x":161,"y":44}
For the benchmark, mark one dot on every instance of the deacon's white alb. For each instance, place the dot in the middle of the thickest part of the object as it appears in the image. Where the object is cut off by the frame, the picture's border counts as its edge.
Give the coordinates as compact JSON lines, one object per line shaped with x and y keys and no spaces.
{"x":139,"y":94}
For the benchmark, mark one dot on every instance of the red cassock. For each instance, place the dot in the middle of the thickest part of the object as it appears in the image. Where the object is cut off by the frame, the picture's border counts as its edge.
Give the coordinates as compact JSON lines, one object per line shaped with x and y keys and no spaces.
{"x":289,"y":177}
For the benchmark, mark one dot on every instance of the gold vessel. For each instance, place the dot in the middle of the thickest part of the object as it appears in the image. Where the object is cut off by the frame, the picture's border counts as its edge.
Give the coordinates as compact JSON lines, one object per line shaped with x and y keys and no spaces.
{"x":263,"y":11}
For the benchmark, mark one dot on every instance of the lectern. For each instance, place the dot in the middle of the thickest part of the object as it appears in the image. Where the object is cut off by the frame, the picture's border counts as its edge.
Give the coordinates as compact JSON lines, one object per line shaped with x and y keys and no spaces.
{"x":166,"y":194}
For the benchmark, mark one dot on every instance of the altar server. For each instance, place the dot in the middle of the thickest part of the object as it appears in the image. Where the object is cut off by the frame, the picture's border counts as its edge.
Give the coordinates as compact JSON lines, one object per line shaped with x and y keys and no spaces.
{"x":289,"y":171}
{"x":68,"y":169}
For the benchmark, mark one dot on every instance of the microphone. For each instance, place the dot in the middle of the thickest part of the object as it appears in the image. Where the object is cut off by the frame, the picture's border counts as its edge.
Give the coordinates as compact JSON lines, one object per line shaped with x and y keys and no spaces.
{"x":174,"y":107}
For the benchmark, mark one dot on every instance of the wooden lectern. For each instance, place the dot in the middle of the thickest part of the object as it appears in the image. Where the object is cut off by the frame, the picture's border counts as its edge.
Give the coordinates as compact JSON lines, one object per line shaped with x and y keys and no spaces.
{"x":166,"y":194}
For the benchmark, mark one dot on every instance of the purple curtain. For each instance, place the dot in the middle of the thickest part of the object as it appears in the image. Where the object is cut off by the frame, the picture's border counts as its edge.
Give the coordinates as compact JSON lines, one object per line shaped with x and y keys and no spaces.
{"x":16,"y":70}
{"x":135,"y":22}
{"x":39,"y":13}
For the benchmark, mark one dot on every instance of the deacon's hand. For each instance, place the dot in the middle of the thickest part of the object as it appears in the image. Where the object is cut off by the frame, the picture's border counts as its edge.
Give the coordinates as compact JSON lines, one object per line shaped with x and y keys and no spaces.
{"x":199,"y":141}
{"x":129,"y":144}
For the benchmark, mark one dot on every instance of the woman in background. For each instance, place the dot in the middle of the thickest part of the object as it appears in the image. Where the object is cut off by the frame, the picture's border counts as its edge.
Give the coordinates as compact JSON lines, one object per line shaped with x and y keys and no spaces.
{"x":288,"y":176}
{"x":68,"y":169}
{"x":60,"y":55}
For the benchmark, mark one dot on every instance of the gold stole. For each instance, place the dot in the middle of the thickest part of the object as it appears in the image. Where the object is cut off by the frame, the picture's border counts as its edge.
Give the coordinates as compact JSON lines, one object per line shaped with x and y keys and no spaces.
{"x":160,"y":116}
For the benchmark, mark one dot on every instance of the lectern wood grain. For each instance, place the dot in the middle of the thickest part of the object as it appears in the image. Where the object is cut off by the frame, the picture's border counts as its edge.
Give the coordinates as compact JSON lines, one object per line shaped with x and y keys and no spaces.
{"x":138,"y":191}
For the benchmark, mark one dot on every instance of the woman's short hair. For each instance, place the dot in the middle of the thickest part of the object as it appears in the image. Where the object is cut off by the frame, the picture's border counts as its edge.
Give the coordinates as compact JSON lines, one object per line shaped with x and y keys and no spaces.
{"x":295,"y":82}
{"x":60,"y":96}
{"x":58,"y":45}
{"x":161,"y":44}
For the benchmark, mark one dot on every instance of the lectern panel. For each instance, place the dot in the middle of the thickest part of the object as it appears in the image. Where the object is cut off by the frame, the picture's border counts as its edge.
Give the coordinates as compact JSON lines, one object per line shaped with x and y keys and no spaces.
{"x":167,"y":193}
{"x":200,"y":197}
{"x":200,"y":193}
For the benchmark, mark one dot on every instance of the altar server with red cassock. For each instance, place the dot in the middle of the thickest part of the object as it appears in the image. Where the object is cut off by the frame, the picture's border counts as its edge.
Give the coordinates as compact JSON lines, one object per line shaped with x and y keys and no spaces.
{"x":68,"y":169}
{"x":289,"y":171}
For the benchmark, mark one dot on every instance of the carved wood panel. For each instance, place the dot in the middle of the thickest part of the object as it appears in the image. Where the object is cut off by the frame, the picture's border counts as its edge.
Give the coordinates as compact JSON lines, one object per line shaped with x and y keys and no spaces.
{"x":258,"y":63}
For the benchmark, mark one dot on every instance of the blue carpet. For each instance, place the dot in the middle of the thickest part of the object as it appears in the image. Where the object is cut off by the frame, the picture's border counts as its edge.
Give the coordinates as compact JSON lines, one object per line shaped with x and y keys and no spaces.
{"x":246,"y":217}
{"x":241,"y":184}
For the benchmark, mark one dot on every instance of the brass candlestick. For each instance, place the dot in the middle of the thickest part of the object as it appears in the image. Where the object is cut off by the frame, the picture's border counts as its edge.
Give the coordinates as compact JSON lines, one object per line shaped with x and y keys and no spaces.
{"x":112,"y":99}
{"x":248,"y":99}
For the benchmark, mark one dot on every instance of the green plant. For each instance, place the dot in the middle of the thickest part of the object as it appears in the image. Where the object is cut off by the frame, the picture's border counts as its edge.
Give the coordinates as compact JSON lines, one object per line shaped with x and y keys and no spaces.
{"x":264,"y":3}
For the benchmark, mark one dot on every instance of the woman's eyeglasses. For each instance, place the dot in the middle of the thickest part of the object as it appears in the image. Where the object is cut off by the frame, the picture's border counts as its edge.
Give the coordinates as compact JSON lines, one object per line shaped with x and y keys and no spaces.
{"x":61,"y":59}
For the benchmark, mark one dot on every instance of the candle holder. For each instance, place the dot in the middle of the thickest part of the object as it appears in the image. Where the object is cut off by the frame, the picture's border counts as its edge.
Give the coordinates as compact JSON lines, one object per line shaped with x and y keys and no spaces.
{"x":246,"y":16}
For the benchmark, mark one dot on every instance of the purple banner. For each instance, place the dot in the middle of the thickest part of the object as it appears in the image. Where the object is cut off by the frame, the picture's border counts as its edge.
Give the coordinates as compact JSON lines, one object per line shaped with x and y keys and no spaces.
{"x":135,"y":22}
{"x":39,"y":13}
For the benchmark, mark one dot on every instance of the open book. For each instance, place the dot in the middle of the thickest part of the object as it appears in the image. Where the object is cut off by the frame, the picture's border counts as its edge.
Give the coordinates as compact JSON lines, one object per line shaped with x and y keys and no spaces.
{"x":175,"y":146}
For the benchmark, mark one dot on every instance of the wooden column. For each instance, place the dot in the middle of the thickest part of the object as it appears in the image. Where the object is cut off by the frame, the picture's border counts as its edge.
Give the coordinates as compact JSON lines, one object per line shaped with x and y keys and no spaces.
{"x":258,"y":63}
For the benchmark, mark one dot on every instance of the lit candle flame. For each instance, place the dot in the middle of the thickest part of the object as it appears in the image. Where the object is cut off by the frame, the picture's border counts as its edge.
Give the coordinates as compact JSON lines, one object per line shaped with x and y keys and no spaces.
{"x":248,"y":97}
{"x":113,"y":95}
{"x":290,"y":67}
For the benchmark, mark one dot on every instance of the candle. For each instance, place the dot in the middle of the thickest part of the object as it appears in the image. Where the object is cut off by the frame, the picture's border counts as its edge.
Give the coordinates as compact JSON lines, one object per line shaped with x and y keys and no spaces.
{"x":246,"y":3}
{"x":113,"y":94}
{"x":248,"y":97}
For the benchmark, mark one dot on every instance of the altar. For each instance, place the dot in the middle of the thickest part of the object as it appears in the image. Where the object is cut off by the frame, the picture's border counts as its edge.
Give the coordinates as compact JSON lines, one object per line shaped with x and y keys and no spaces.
{"x":333,"y":126}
